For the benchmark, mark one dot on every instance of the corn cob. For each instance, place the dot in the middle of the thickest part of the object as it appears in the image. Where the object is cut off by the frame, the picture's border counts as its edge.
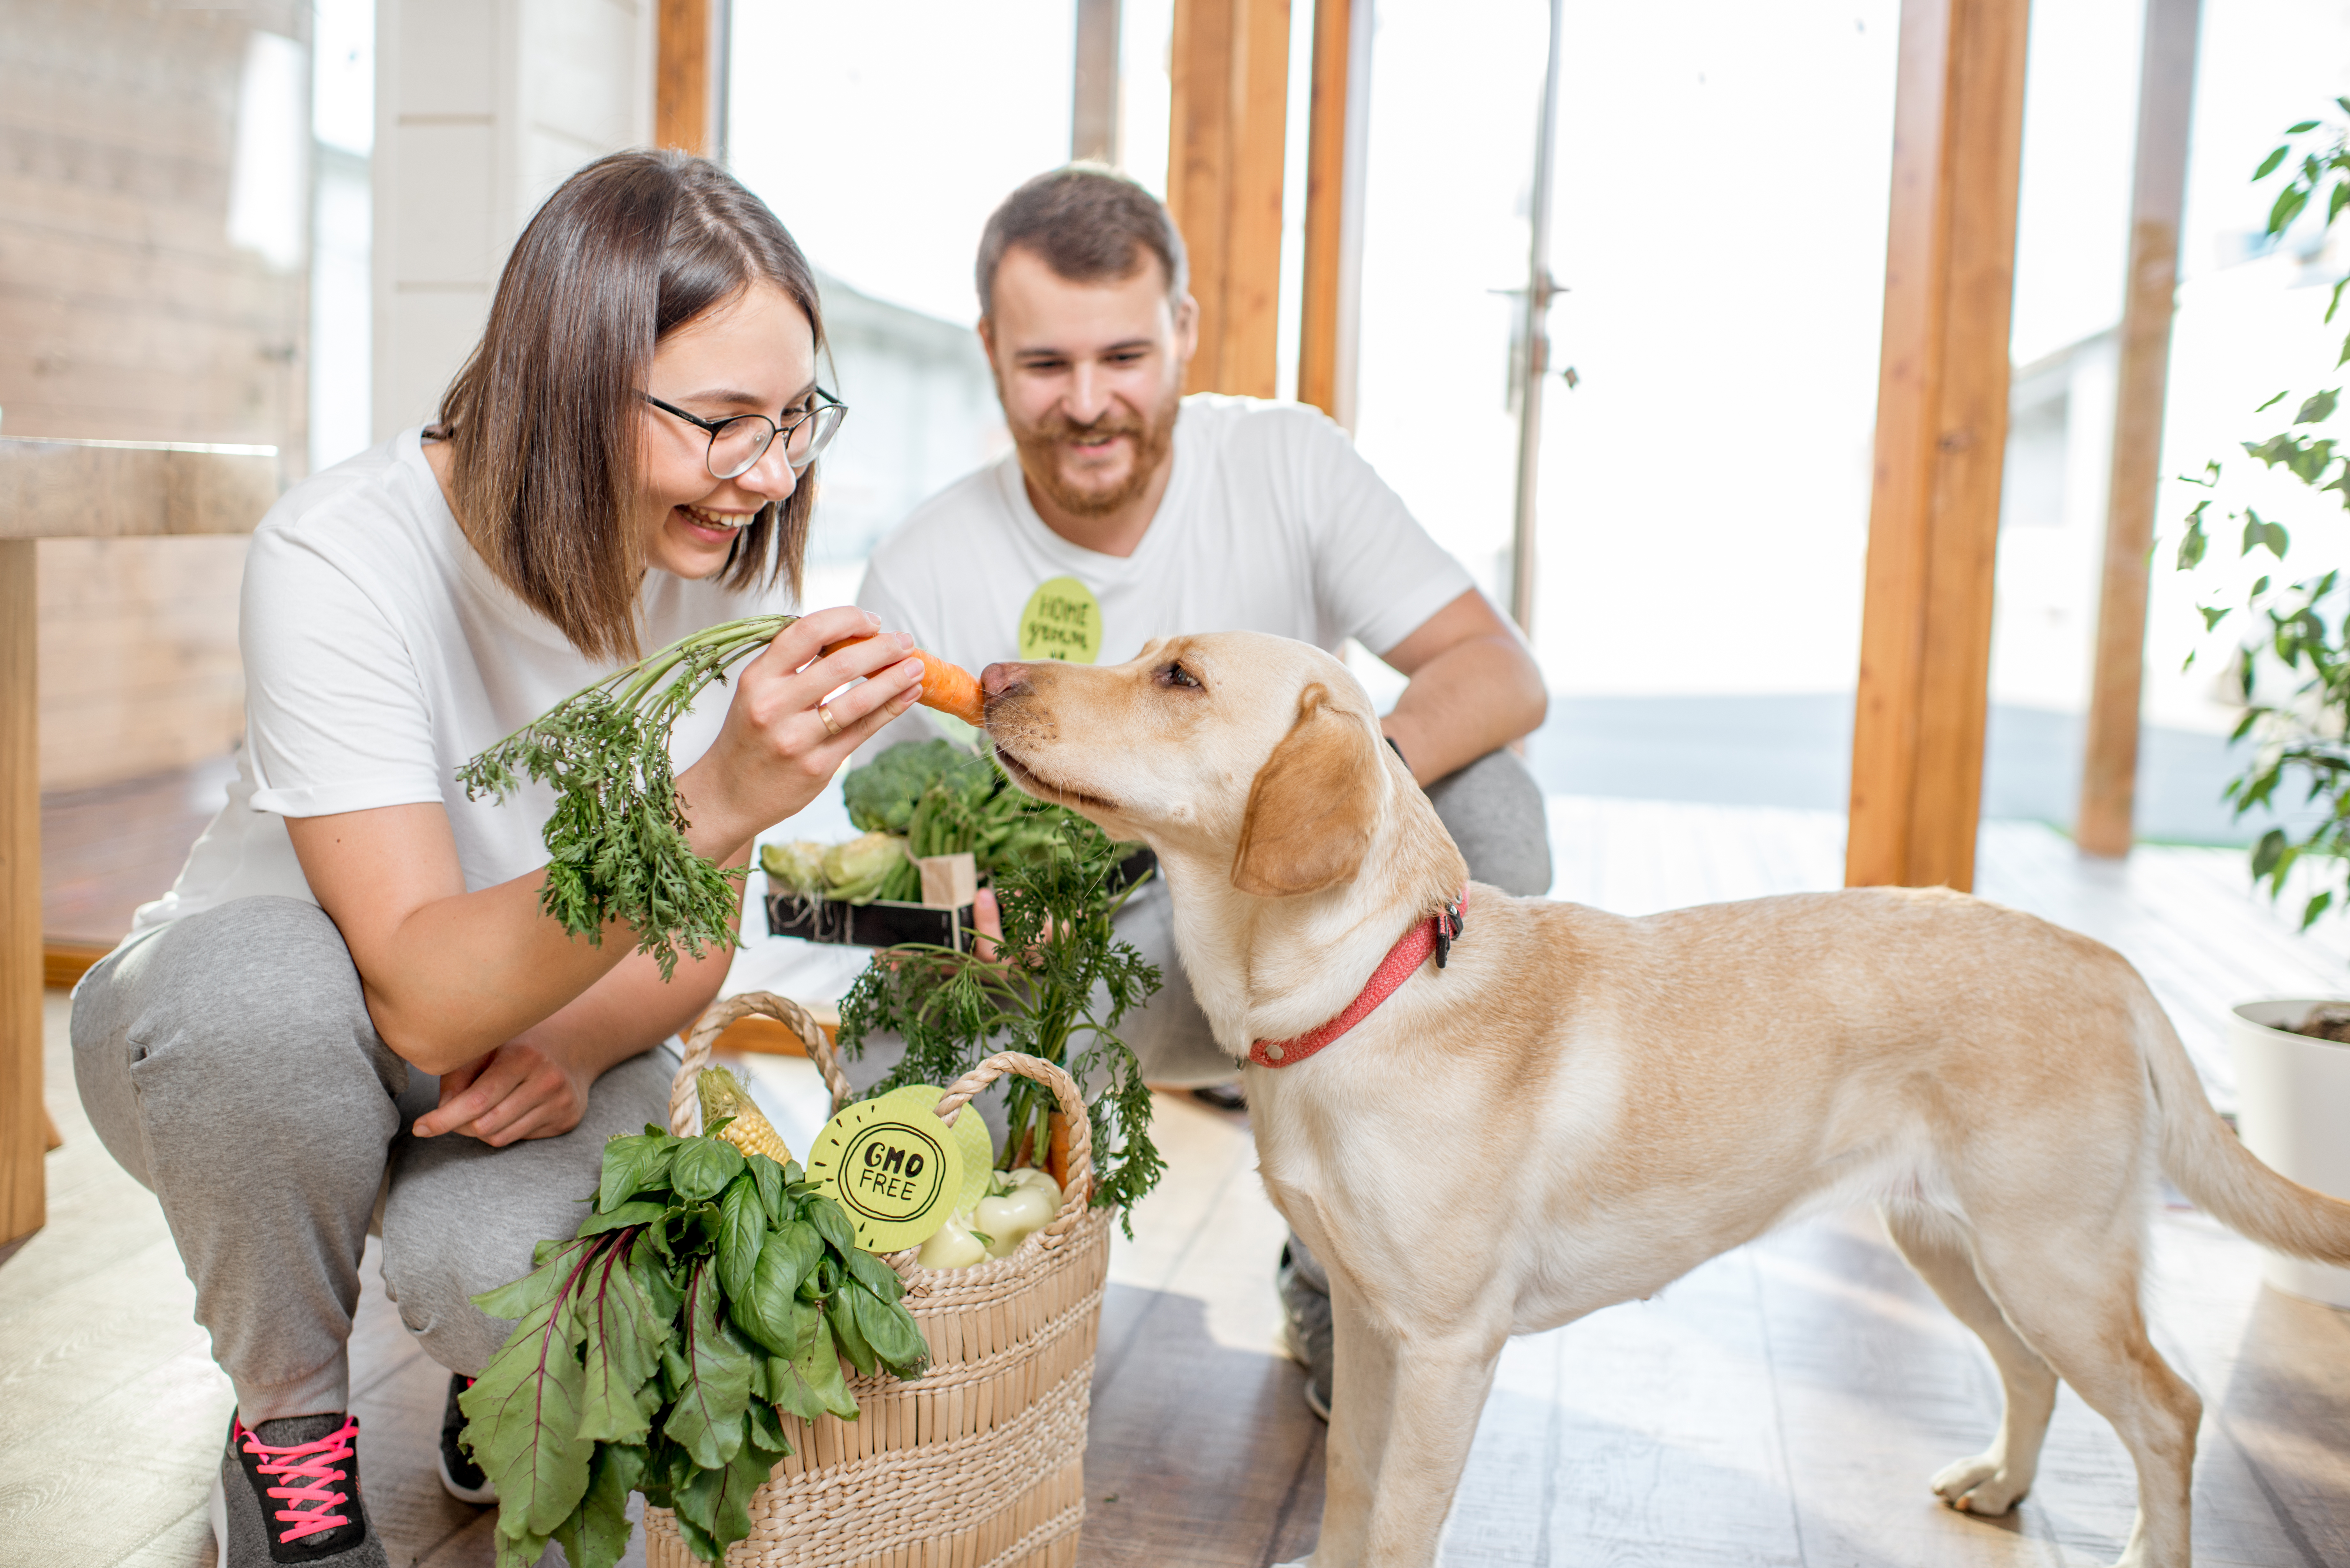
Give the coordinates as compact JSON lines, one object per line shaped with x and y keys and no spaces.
{"x":750,"y":1130}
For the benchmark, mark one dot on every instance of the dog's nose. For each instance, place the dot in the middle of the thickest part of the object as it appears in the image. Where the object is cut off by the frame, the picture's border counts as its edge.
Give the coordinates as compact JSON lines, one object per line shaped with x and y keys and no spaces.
{"x":1004,"y":677}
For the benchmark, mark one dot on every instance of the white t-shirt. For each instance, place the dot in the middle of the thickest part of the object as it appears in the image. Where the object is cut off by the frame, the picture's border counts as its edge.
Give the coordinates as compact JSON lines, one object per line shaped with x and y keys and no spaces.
{"x":1272,"y":522}
{"x":380,"y":653}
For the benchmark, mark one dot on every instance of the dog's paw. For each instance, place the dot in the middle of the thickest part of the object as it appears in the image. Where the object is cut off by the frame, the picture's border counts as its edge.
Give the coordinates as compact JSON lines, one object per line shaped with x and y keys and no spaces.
{"x":1979,"y":1485}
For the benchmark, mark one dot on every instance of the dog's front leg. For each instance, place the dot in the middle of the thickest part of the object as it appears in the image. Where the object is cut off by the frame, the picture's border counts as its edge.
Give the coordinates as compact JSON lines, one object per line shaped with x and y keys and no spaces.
{"x":1362,"y":1389}
{"x":1401,"y":1420}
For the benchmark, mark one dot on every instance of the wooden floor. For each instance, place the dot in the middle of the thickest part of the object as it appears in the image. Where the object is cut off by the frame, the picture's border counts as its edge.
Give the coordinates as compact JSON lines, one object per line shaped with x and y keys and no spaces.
{"x":1781,"y":1404}
{"x":106,"y":851}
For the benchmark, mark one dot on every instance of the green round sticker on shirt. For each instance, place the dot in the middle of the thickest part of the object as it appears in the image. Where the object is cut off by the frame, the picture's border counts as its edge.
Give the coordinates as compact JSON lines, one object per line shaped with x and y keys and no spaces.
{"x":1062,"y":621}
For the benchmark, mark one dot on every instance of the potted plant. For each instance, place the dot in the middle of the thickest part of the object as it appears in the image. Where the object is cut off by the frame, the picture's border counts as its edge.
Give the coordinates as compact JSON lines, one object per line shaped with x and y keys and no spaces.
{"x":2292,"y":667}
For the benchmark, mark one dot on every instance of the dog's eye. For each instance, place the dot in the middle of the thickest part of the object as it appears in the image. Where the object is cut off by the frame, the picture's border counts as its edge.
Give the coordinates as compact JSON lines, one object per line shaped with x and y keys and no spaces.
{"x":1176,"y":675}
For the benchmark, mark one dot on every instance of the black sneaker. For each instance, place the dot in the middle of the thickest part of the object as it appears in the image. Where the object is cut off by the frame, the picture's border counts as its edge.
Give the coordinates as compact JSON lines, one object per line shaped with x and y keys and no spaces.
{"x":1306,"y":1309}
{"x":289,"y":1492}
{"x":460,"y":1478}
{"x":1222,"y":1096}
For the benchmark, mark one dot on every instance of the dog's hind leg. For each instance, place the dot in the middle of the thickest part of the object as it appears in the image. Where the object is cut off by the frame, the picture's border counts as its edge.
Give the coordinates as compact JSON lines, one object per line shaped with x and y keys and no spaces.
{"x":2074,"y":1297}
{"x":1991,"y":1481}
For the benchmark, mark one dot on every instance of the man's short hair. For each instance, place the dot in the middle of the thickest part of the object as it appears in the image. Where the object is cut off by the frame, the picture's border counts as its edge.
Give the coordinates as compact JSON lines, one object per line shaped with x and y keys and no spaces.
{"x":1089,"y":223}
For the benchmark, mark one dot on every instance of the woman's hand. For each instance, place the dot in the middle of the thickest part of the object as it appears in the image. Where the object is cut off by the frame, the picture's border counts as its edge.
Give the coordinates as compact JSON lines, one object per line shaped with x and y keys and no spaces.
{"x":517,"y":1091}
{"x":776,"y":751}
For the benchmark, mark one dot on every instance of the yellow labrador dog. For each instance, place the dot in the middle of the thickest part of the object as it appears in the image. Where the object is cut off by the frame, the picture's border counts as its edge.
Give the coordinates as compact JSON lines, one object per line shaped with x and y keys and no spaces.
{"x":1639,"y":1095}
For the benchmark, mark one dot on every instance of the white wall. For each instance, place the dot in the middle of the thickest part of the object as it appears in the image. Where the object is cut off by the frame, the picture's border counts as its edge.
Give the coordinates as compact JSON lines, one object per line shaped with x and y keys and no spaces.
{"x":482,"y":107}
{"x":342,"y":223}
{"x":2052,"y":526}
{"x":883,"y":136}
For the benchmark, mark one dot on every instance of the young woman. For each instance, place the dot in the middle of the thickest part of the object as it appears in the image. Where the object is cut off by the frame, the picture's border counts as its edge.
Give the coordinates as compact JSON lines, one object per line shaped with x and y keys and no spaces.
{"x":350,"y":1005}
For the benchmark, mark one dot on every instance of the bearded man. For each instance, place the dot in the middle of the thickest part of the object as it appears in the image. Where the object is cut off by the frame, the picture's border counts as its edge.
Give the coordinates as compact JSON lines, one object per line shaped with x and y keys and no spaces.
{"x":1128,"y":512}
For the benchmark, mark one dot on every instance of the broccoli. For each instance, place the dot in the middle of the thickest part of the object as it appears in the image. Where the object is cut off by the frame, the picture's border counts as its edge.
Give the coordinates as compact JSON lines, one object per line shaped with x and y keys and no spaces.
{"x":882,"y":795}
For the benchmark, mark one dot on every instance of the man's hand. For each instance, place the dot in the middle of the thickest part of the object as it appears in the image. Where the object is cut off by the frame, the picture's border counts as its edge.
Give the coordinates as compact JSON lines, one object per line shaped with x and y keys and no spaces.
{"x":987,"y":928}
{"x":1474,"y":688}
{"x":517,"y":1091}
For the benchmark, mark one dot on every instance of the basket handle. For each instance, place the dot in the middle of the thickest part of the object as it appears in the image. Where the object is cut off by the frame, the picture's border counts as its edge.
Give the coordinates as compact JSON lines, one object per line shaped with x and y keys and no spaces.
{"x":1076,"y":1193}
{"x":685,"y":1104}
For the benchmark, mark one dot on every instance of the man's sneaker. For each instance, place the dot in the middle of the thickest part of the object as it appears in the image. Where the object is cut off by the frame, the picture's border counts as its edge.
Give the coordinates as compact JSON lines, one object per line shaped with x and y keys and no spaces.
{"x":289,"y":1492}
{"x":1306,"y":1310}
{"x":1221,"y":1096}
{"x":460,"y":1478}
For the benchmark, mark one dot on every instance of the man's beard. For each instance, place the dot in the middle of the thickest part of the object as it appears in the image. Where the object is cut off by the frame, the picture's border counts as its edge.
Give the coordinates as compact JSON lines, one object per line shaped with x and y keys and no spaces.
{"x":1042,"y":445}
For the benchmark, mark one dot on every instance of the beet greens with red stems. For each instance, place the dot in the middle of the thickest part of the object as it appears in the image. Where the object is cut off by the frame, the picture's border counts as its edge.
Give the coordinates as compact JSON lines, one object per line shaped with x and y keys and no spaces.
{"x":707,"y":1294}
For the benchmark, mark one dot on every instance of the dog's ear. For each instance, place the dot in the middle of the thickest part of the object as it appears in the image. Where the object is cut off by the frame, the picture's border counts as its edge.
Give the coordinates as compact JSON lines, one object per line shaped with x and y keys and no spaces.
{"x":1311,"y":810}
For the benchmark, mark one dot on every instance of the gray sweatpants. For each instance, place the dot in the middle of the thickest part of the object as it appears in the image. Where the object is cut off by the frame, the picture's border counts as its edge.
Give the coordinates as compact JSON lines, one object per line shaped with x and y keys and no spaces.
{"x":229,"y":1064}
{"x":1493,"y":808}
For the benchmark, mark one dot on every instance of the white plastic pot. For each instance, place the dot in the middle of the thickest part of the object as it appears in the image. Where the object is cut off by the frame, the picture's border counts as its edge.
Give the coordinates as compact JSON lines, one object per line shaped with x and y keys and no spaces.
{"x":2293,"y":1112}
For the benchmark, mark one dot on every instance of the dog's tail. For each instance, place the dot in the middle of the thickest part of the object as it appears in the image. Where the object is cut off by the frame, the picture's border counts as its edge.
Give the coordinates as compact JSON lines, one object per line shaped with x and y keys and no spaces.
{"x":2222,"y":1177}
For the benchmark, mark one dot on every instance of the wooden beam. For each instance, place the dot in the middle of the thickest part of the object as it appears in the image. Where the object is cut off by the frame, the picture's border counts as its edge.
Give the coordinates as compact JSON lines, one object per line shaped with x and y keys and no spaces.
{"x":1227,"y":121}
{"x":24,"y":1197}
{"x":2166,"y":102}
{"x":1942,"y":431}
{"x":682,"y":99}
{"x":1093,"y":118}
{"x":1321,"y":323}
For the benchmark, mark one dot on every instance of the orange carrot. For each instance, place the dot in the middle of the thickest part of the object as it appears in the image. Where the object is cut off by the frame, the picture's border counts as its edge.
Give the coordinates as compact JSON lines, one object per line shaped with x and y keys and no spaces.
{"x":949,"y":687}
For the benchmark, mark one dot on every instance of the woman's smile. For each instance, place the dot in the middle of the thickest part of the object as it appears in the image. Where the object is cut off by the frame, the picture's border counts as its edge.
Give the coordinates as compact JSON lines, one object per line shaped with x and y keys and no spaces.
{"x":705,"y":526}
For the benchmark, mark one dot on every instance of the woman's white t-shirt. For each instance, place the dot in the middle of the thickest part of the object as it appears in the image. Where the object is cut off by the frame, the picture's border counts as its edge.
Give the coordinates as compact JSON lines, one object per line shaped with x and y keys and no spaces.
{"x":380,"y":653}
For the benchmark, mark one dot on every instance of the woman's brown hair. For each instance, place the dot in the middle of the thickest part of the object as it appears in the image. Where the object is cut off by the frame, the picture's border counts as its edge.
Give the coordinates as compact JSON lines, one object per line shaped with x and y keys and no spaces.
{"x":542,"y":421}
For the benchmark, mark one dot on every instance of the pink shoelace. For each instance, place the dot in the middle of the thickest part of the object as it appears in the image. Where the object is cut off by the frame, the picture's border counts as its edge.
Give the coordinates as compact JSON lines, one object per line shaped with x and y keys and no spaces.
{"x":311,"y":1462}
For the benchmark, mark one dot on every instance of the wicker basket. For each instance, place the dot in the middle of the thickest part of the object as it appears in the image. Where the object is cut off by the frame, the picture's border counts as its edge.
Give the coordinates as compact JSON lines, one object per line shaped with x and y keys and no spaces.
{"x":980,"y":1464}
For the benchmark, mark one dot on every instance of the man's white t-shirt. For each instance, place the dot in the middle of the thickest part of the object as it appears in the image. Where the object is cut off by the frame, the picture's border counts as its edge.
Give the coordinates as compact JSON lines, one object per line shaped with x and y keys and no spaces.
{"x":1272,"y":522}
{"x":380,"y":653}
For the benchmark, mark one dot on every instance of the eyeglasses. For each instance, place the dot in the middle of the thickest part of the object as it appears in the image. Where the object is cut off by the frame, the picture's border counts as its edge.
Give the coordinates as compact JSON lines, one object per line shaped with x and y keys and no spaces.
{"x":739,"y":441}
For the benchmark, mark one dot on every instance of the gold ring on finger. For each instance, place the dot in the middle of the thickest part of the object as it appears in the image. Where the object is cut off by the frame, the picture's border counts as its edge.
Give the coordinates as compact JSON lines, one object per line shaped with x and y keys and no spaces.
{"x":831,"y":725}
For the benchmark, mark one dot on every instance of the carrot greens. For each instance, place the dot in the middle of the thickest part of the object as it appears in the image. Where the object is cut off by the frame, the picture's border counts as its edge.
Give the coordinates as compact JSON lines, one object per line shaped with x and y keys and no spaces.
{"x":616,"y":844}
{"x":1062,"y":999}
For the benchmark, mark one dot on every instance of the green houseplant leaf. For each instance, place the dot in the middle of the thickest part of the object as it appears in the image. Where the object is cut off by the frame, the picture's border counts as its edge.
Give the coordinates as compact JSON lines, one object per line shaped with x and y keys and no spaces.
{"x":2290,"y":664}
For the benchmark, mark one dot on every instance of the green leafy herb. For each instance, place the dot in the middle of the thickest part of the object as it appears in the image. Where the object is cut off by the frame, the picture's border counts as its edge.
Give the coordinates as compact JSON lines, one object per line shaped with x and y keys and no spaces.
{"x":1061,"y":997}
{"x":616,"y":844}
{"x":651,"y":1352}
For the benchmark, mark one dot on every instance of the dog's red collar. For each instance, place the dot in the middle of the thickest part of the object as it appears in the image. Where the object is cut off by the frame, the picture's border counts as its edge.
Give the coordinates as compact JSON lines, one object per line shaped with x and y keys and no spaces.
{"x":1432,"y":935}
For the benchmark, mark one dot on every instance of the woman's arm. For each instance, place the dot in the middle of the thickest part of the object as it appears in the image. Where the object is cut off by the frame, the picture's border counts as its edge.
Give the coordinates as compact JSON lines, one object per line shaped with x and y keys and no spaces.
{"x":451,"y":977}
{"x":536,"y":1084}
